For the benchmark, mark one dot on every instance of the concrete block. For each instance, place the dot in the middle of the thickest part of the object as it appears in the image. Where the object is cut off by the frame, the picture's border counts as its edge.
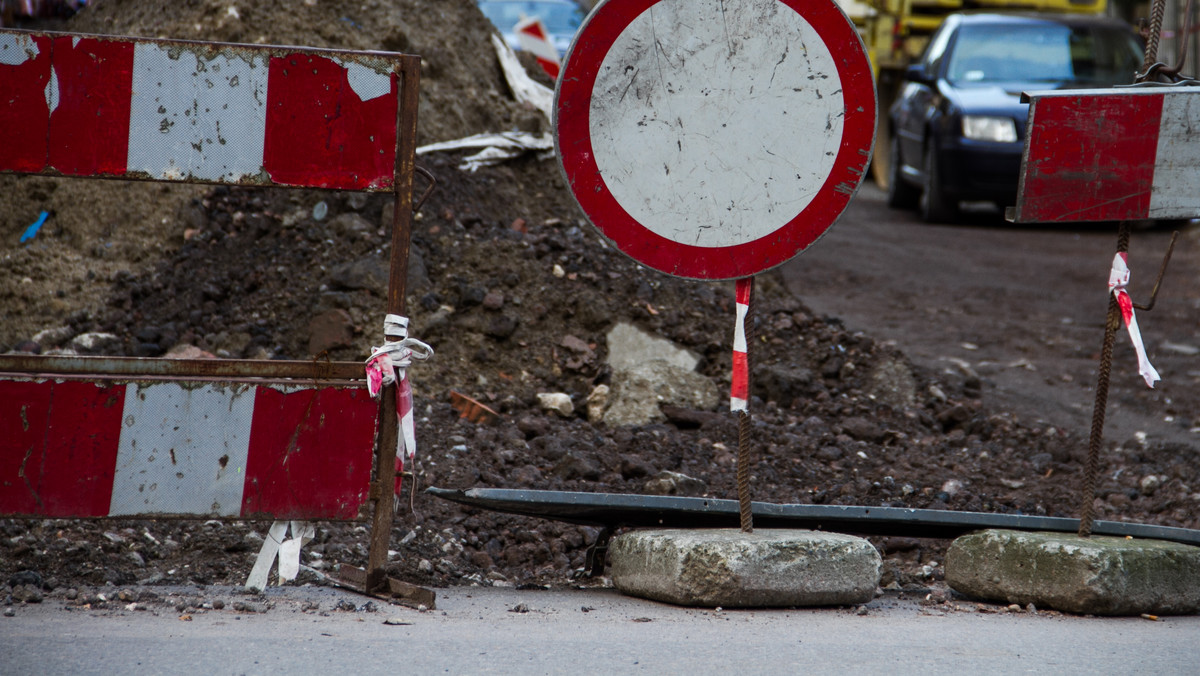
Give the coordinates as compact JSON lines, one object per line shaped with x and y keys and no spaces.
{"x":732,"y":569}
{"x":1099,"y":575}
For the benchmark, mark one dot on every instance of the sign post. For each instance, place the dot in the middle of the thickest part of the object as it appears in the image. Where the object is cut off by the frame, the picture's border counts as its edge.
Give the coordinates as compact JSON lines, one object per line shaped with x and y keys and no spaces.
{"x":714,"y":141}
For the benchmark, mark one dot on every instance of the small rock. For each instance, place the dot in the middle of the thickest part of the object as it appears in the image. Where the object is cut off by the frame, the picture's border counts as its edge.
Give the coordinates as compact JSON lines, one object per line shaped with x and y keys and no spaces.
{"x":26,"y":577}
{"x":1149,"y":484}
{"x":952,"y":487}
{"x":329,"y":330}
{"x":519,"y":608}
{"x":558,"y":402}
{"x":597,"y":402}
{"x":396,"y":622}
{"x":502,"y":327}
{"x":494,"y":300}
{"x":674,"y":483}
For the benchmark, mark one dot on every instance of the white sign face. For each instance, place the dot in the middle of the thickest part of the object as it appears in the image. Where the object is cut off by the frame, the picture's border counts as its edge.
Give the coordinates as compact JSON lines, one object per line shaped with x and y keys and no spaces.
{"x":715,"y":139}
{"x":711,"y":138}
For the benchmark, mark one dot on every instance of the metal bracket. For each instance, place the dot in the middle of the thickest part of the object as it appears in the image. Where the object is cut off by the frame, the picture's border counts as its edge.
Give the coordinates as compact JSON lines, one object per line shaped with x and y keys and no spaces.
{"x":597,"y":553}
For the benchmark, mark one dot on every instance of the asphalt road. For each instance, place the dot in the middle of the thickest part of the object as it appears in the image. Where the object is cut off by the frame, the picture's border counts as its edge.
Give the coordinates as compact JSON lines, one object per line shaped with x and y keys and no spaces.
{"x":1023,"y":307}
{"x":476,"y":631}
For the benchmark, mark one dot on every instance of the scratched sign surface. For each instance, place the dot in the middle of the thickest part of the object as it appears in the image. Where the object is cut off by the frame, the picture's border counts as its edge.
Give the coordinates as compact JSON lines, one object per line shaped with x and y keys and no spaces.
{"x":715,"y":140}
{"x":1111,"y":154}
{"x":204,"y":112}
{"x":71,"y":448}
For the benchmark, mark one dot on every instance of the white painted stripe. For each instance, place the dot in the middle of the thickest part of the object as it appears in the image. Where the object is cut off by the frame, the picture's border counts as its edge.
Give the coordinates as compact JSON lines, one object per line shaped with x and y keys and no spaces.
{"x":739,"y":331}
{"x":1176,"y":189}
{"x":182,"y":450}
{"x":200,"y":118}
{"x":736,"y":404}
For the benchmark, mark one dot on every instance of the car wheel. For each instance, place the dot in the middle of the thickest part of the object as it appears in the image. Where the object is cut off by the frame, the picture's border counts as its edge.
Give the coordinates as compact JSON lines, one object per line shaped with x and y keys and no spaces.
{"x":936,"y":206}
{"x":900,"y":194}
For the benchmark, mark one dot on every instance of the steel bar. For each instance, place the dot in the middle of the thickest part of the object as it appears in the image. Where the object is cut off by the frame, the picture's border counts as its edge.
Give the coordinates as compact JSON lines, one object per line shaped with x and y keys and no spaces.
{"x":1111,"y":325}
{"x":743,"y":455}
{"x":385,"y":468}
{"x":200,"y":369}
{"x":613,"y":510}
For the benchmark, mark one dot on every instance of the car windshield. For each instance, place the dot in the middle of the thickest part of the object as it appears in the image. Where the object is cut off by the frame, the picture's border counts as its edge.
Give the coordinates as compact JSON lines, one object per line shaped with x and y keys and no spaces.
{"x":559,"y":17}
{"x":1090,"y":55}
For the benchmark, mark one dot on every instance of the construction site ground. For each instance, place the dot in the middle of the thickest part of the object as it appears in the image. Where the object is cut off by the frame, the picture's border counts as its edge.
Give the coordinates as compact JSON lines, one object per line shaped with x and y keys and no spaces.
{"x":962,"y":381}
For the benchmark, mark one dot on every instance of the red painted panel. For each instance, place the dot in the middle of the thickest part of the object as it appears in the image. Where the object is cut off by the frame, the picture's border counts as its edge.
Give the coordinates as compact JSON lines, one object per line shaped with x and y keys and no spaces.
{"x":58,"y":447}
{"x":310,"y":453}
{"x":320,"y":133}
{"x":89,"y":130}
{"x":1090,"y":158}
{"x":24,"y":113}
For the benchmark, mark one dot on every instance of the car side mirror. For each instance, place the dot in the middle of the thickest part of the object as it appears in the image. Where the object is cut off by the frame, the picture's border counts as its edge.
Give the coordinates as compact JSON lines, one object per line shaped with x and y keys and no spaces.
{"x":917,"y":73}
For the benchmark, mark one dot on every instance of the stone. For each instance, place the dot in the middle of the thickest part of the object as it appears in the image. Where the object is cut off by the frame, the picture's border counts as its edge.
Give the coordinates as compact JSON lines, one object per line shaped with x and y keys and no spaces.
{"x":330,"y":329}
{"x":731,"y":569}
{"x":674,"y":483}
{"x":559,"y":402}
{"x":629,"y":347}
{"x":370,"y":273}
{"x":597,"y":402}
{"x":1099,"y":575}
{"x":892,"y":382}
{"x":639,"y":392}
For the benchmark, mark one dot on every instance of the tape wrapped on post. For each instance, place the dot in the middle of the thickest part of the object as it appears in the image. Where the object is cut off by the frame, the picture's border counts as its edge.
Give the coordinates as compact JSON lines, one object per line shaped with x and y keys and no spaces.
{"x":1118,"y":279}
{"x":387,"y":365}
{"x":739,"y":391}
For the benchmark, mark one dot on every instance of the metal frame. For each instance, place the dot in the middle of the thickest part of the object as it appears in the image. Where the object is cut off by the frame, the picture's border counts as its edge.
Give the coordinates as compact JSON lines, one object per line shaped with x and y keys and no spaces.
{"x":406,"y":68}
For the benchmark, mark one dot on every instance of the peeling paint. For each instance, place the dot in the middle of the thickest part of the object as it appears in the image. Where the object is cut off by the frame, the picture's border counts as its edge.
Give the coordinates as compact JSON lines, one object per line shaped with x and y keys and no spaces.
{"x":16,"y":49}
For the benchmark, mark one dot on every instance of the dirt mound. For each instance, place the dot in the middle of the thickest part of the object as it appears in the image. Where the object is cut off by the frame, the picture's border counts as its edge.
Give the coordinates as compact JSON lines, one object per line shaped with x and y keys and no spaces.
{"x":98,"y":230}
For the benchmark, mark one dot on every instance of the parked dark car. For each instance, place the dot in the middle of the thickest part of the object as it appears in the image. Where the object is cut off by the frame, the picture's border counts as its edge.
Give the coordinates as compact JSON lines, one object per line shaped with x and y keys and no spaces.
{"x":958,"y":126}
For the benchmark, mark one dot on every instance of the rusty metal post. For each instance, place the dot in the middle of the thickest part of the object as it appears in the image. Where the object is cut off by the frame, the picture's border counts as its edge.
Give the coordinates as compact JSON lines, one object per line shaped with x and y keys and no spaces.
{"x":382,"y":491}
{"x":745,"y":511}
{"x":1111,"y":325}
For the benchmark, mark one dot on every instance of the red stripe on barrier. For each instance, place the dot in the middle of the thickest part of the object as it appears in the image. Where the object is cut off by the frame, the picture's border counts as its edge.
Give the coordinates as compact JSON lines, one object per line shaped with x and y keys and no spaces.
{"x":89,"y":129}
{"x":1090,"y":158}
{"x":310,"y":454}
{"x":58,"y":448}
{"x":24,"y":107}
{"x":319,"y":132}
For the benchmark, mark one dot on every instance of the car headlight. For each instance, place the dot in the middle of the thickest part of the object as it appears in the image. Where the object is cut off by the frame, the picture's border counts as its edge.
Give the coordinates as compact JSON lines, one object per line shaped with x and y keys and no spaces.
{"x":988,"y":128}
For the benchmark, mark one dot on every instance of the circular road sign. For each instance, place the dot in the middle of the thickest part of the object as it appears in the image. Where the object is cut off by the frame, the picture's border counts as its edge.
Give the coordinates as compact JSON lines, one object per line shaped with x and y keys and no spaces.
{"x":715,"y":139}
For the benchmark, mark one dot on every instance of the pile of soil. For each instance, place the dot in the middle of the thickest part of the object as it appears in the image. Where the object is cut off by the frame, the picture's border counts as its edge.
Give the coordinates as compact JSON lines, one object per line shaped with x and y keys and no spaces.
{"x":516,"y":294}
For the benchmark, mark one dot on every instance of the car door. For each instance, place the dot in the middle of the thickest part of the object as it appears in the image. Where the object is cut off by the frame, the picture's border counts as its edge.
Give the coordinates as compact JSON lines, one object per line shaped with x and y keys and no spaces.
{"x":918,"y":100}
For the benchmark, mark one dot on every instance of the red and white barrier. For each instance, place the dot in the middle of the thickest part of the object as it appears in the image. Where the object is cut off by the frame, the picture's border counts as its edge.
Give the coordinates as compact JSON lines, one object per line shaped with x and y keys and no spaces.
{"x":534,"y":38}
{"x":1111,"y":154}
{"x":93,"y":449}
{"x":166,"y":110}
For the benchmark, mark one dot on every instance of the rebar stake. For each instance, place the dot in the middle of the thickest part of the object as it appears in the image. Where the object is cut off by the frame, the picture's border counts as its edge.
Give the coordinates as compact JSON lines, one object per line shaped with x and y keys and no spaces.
{"x":743,"y":457}
{"x":1111,"y":325}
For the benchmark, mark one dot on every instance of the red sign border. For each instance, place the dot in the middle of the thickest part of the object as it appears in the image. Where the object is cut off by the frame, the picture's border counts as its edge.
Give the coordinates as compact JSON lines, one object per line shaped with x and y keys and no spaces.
{"x":577,"y":160}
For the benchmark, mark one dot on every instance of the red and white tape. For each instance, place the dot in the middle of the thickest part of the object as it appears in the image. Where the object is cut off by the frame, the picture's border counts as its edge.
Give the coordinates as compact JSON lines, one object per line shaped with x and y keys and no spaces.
{"x":739,"y":391}
{"x":1118,"y":279}
{"x":389,"y":364}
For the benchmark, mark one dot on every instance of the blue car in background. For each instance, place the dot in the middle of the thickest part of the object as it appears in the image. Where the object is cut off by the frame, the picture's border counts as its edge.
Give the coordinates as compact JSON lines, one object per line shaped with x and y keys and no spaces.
{"x":958,"y":126}
{"x":562,"y":18}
